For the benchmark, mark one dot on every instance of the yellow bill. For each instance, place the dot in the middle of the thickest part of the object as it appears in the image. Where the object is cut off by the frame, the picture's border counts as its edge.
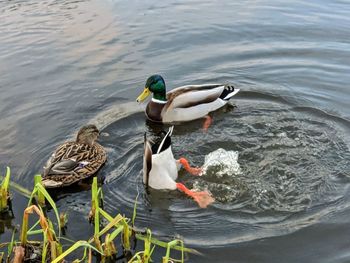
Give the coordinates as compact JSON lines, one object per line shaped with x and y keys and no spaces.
{"x":146,"y":92}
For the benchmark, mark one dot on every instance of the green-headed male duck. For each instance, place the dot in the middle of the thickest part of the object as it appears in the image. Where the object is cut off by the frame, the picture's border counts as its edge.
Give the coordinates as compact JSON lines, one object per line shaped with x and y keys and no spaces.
{"x":184,"y":103}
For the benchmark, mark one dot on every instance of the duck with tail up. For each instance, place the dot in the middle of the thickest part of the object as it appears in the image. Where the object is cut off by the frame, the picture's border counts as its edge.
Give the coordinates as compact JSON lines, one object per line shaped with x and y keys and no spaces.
{"x":76,"y":160}
{"x":160,"y":169}
{"x":184,"y":103}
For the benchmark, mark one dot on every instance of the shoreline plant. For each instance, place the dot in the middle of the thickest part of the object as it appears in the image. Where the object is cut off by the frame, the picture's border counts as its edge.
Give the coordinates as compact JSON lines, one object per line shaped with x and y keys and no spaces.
{"x":114,"y":237}
{"x":5,"y":198}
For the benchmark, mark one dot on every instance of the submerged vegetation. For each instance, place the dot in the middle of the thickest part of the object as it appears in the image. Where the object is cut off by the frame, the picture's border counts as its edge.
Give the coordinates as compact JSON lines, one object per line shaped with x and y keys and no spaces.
{"x":114,"y":238}
{"x":5,"y":201}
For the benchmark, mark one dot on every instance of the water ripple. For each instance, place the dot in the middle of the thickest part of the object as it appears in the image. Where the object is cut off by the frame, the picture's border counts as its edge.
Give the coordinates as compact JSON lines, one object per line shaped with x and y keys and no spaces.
{"x":291,"y":172}
{"x":66,"y":63}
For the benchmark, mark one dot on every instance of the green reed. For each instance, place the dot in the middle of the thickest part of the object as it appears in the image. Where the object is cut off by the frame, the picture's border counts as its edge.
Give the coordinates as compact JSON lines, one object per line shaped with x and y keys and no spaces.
{"x":4,"y":191}
{"x":104,"y":241}
{"x":125,"y":227}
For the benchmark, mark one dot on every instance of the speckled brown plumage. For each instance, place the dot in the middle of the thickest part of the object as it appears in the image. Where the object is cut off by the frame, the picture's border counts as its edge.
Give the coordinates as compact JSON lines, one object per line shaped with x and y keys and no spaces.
{"x":79,"y":153}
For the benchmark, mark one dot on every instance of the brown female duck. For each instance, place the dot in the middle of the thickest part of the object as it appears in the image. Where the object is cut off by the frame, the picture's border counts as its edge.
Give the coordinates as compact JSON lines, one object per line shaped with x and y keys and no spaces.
{"x":75,"y":160}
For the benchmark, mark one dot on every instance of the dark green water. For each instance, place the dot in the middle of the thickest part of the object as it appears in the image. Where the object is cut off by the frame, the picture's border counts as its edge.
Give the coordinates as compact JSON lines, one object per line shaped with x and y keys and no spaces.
{"x":66,"y":63}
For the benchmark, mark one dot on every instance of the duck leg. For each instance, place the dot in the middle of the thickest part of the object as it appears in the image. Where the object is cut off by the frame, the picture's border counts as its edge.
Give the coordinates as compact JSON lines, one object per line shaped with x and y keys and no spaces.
{"x":188,"y":168}
{"x":207,"y":122}
{"x":203,"y":198}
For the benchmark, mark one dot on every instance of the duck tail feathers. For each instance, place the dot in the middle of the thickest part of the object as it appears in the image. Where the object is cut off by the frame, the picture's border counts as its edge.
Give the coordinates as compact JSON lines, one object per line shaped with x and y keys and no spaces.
{"x":166,"y":142}
{"x":170,"y":131}
{"x":228,"y":92}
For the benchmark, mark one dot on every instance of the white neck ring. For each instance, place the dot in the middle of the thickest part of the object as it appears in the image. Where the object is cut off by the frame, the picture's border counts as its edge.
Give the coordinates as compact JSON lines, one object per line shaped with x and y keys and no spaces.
{"x":159,"y":101}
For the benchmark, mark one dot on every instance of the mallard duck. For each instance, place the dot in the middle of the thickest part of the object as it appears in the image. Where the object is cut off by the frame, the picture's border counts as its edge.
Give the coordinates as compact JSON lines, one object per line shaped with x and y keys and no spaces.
{"x":75,"y":160}
{"x":160,"y":169}
{"x":184,"y":103}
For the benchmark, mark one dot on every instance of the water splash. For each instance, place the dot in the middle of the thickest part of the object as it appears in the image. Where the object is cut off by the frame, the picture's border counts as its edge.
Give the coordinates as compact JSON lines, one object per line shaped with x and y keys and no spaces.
{"x":221,"y":162}
{"x":271,"y":170}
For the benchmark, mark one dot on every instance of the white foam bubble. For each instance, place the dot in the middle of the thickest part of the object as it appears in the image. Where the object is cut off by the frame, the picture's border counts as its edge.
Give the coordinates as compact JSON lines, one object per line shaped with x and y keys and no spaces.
{"x":225,"y":162}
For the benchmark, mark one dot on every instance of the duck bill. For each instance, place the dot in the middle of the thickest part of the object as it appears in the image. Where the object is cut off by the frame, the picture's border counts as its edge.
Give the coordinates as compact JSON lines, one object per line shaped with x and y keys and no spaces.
{"x":146,"y":92}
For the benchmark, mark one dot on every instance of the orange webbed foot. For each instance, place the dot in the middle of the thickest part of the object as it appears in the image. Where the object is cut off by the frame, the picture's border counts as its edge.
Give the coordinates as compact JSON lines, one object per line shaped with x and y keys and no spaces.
{"x":207,"y":123}
{"x":202,"y":198}
{"x":192,"y":170}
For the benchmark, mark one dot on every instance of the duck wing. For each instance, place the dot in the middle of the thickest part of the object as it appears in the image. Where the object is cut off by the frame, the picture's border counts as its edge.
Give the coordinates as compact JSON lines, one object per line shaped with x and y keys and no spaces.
{"x":59,"y":155}
{"x":192,"y":95}
{"x":193,"y":102}
{"x":63,"y":167}
{"x":72,"y":162}
{"x":147,"y":161}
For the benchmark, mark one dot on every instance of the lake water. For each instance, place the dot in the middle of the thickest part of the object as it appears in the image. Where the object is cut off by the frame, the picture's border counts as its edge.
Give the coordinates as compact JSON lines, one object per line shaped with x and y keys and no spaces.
{"x":67,"y":63}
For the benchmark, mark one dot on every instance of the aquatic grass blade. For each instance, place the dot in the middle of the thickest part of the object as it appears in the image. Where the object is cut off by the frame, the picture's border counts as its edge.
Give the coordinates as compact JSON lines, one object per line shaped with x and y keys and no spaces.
{"x":43,"y":223}
{"x":90,"y":256}
{"x":78,"y":244}
{"x":110,"y":249}
{"x":14,"y":186}
{"x":116,"y":232}
{"x":4,"y":190}
{"x":134,"y":213}
{"x":165,"y":244}
{"x":36,"y":224}
{"x":126,"y":236}
{"x":145,"y":255}
{"x":105,"y":214}
{"x":47,"y":196}
{"x":172,"y":244}
{"x":67,"y":239}
{"x":20,"y":189}
{"x":147,"y":247}
{"x":136,"y":258}
{"x":84,"y":256}
{"x":11,"y":244}
{"x":95,"y":206}
{"x":41,"y":197}
{"x":54,"y":249}
{"x":111,"y":224}
{"x":35,"y":232}
{"x":63,"y":219}
{"x":44,"y":251}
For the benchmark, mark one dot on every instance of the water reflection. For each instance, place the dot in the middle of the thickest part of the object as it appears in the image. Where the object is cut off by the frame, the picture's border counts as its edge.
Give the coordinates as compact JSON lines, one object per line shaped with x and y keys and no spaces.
{"x":65,"y":63}
{"x":7,"y":222}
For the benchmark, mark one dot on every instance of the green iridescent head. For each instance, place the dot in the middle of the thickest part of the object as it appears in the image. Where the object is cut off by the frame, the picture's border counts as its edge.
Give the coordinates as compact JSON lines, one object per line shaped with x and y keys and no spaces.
{"x":155,"y":84}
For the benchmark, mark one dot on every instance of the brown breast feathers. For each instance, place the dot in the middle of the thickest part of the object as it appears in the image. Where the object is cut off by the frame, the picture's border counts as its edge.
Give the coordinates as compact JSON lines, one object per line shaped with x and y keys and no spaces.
{"x":154,"y":111}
